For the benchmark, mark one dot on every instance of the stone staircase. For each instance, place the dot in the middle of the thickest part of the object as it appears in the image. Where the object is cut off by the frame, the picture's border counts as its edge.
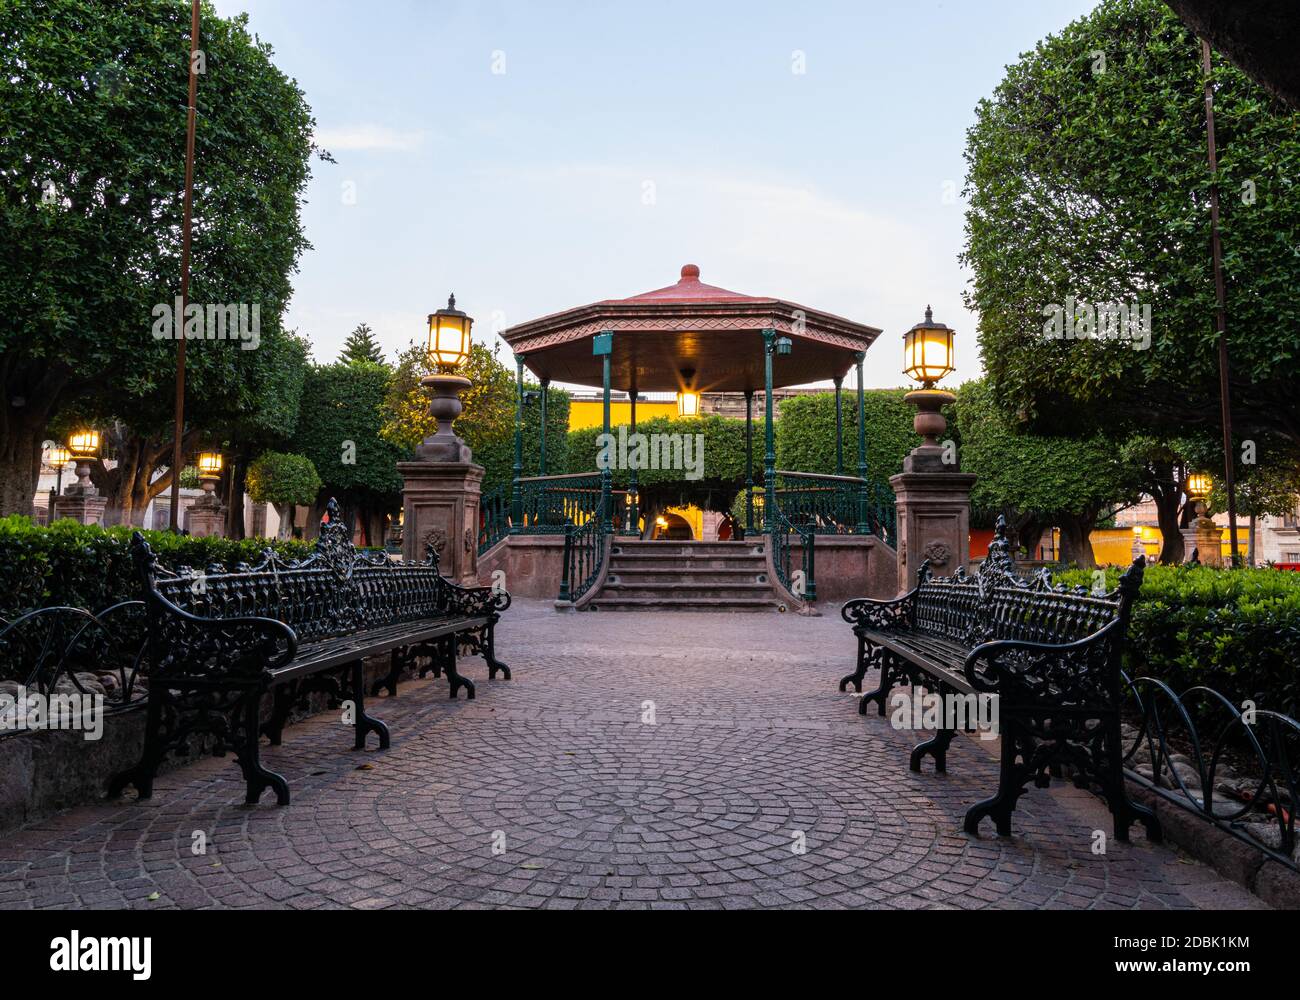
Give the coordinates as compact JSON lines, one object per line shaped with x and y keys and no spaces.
{"x":687,"y":576}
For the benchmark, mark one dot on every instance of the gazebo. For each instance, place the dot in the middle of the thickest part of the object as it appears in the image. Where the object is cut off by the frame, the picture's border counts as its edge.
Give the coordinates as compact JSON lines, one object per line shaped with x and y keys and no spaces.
{"x":690,"y":337}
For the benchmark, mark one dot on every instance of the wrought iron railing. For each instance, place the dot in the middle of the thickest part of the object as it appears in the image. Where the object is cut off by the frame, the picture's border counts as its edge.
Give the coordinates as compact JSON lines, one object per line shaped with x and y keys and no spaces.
{"x":584,"y":556}
{"x":549,"y":503}
{"x":836,"y":505}
{"x":1234,"y":765}
{"x":801,"y":582}
{"x":494,"y":517}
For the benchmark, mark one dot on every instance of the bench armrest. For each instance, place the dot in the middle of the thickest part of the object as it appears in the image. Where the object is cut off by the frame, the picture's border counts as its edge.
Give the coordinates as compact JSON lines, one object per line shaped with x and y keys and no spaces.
{"x":475,"y":601}
{"x":879,"y":615}
{"x":186,"y":644}
{"x":1072,"y":672}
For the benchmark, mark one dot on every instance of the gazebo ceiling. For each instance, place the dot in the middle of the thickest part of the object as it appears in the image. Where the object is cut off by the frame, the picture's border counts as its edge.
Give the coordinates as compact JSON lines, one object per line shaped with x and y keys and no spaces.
{"x":690,"y":327}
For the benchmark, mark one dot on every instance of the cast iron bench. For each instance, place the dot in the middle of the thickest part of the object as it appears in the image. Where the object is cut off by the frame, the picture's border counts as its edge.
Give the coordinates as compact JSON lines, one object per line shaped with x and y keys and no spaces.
{"x":1051,"y":656}
{"x":219,"y":641}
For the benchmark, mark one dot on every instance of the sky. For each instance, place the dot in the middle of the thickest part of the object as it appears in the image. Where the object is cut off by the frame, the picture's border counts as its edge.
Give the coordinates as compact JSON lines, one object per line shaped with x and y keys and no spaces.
{"x":531,"y":156}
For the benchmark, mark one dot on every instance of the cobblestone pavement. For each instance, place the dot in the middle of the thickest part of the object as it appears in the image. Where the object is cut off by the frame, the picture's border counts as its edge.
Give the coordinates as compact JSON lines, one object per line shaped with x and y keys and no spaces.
{"x":751,"y":745}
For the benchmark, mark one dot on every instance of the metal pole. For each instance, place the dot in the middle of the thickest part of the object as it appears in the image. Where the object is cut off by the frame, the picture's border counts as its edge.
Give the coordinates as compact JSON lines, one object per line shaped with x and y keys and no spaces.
{"x":839,"y":426}
{"x":634,"y":513}
{"x":546,"y":385}
{"x":606,"y":476}
{"x":1221,"y":310}
{"x":187,"y":220}
{"x":864,"y":527}
{"x":749,"y":462}
{"x":769,"y":457}
{"x":516,"y":490}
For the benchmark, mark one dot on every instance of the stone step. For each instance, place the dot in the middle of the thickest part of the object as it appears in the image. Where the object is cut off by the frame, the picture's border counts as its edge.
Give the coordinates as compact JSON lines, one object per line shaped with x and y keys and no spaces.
{"x":753,"y":604}
{"x":694,"y":576}
{"x":688,"y":590}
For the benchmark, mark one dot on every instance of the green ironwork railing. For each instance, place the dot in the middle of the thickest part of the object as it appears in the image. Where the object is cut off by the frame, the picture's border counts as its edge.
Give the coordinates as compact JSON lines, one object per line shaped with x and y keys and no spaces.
{"x":584,"y":556}
{"x":804,"y":587}
{"x":494,"y":517}
{"x":550,"y":503}
{"x":835,"y":505}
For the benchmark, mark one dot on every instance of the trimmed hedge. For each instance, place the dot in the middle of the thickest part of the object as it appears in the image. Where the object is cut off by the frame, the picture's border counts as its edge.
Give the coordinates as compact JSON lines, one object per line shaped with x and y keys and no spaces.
{"x":73,"y":565}
{"x":1237,"y":631}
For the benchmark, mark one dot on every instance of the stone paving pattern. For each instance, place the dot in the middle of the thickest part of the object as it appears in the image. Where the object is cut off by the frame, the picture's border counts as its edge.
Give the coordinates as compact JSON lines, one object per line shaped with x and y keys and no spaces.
{"x":751,"y":744}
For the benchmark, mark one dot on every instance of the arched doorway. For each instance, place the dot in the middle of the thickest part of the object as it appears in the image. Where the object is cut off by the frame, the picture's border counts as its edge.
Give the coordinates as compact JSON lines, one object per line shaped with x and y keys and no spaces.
{"x":670,"y":527}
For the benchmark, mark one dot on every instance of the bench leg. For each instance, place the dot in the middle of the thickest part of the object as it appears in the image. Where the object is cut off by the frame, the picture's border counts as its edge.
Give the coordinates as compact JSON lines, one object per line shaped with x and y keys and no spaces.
{"x":362,"y":722}
{"x":936,"y":748}
{"x":396,"y":662}
{"x":490,"y":654}
{"x":257,"y":777}
{"x":1011,"y":785}
{"x":142,"y":775}
{"x":856,"y":677}
{"x":887,"y":680}
{"x":273,"y":729}
{"x":455,"y":681}
{"x":1125,"y":811}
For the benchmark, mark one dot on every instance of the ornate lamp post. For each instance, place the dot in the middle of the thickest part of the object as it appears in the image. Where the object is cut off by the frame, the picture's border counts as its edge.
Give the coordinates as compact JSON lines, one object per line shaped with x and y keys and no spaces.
{"x":449,"y":343}
{"x":81,"y":501}
{"x":206,"y":515}
{"x":1206,"y":535}
{"x":442,"y":488}
{"x":932,"y":493}
{"x":928,"y":357}
{"x":58,"y":458}
{"x":688,"y":399}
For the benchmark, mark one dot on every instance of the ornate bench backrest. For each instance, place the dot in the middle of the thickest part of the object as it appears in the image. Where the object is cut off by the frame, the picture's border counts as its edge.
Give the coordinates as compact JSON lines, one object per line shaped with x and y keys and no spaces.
{"x":335,"y":591}
{"x":996,"y":603}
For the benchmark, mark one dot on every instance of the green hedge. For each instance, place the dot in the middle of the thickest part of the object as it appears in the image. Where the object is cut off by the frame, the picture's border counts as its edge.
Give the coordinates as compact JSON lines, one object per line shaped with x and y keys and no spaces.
{"x":70,"y":564}
{"x":1237,"y":631}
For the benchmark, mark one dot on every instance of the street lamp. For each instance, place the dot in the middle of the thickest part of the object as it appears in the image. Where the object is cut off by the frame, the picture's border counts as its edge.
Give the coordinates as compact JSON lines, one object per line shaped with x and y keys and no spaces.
{"x":449,"y":347}
{"x":210,"y":465}
{"x":688,"y":399}
{"x":1198,"y":486}
{"x":58,"y":458}
{"x":928,"y":358}
{"x":83,"y":447}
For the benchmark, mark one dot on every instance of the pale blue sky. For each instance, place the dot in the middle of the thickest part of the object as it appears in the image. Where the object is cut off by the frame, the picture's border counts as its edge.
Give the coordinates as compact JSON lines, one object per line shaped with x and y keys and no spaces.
{"x":525,"y":191}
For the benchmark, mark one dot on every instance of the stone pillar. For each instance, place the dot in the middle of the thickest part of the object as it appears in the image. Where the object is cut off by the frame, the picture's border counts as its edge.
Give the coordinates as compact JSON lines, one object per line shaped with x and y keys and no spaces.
{"x":81,"y":501}
{"x":440,"y":504}
{"x":932,"y":499}
{"x":442,"y":489}
{"x":1208,"y":538}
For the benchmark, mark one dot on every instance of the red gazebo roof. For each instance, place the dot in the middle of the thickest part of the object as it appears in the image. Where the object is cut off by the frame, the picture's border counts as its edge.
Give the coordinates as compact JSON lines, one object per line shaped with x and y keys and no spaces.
{"x":690,"y":327}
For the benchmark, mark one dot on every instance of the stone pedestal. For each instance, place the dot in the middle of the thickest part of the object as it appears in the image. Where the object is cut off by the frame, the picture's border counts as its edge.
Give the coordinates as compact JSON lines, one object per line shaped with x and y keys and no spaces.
{"x":440,"y":504}
{"x":80,"y":502}
{"x":1189,"y":541}
{"x":206,"y":518}
{"x":932,"y":498}
{"x":1208,"y":539}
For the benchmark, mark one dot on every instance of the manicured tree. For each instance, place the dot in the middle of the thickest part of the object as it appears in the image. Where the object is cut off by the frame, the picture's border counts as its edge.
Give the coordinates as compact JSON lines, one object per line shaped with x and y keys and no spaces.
{"x":361,"y":345}
{"x":1039,"y":481}
{"x":284,"y":481}
{"x":92,"y":102}
{"x":488,"y":422}
{"x":1088,"y":179}
{"x":339,"y":431}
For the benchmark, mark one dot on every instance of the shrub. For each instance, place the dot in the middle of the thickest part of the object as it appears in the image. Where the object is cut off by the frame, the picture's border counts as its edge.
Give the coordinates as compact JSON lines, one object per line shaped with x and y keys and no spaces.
{"x":1237,"y":631}
{"x":74,"y":565}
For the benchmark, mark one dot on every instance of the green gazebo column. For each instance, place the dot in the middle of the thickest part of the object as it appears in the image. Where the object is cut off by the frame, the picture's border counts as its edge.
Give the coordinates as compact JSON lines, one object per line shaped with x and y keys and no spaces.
{"x":634,"y":508}
{"x":839,"y":425}
{"x":864,"y":527}
{"x":516,"y":490}
{"x":769,"y":457}
{"x":749,"y":462}
{"x":546,"y":385}
{"x":603,"y":347}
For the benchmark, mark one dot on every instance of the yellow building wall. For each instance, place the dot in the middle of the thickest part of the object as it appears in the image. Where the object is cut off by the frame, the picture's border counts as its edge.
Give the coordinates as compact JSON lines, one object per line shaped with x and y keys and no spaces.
{"x":585,"y":413}
{"x":1114,"y":546}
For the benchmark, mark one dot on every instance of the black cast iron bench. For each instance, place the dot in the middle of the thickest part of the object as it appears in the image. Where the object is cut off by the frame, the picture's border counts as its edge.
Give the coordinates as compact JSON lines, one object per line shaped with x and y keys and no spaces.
{"x":218,"y":642}
{"x":1051,"y":656}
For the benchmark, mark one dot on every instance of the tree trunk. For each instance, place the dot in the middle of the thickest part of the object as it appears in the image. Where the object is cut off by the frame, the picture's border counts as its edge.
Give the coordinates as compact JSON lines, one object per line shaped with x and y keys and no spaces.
{"x":20,"y":468}
{"x":235,"y":499}
{"x":1076,"y":549}
{"x":1250,"y":544}
{"x":1171,"y":545}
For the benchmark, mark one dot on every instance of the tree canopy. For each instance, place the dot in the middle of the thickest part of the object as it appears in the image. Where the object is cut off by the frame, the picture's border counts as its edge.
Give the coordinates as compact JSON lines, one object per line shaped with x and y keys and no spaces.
{"x":1089,"y":185}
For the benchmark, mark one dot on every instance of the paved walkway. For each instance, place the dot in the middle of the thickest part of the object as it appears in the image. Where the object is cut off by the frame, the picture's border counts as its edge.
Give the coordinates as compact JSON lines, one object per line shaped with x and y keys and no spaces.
{"x":751,"y":746}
